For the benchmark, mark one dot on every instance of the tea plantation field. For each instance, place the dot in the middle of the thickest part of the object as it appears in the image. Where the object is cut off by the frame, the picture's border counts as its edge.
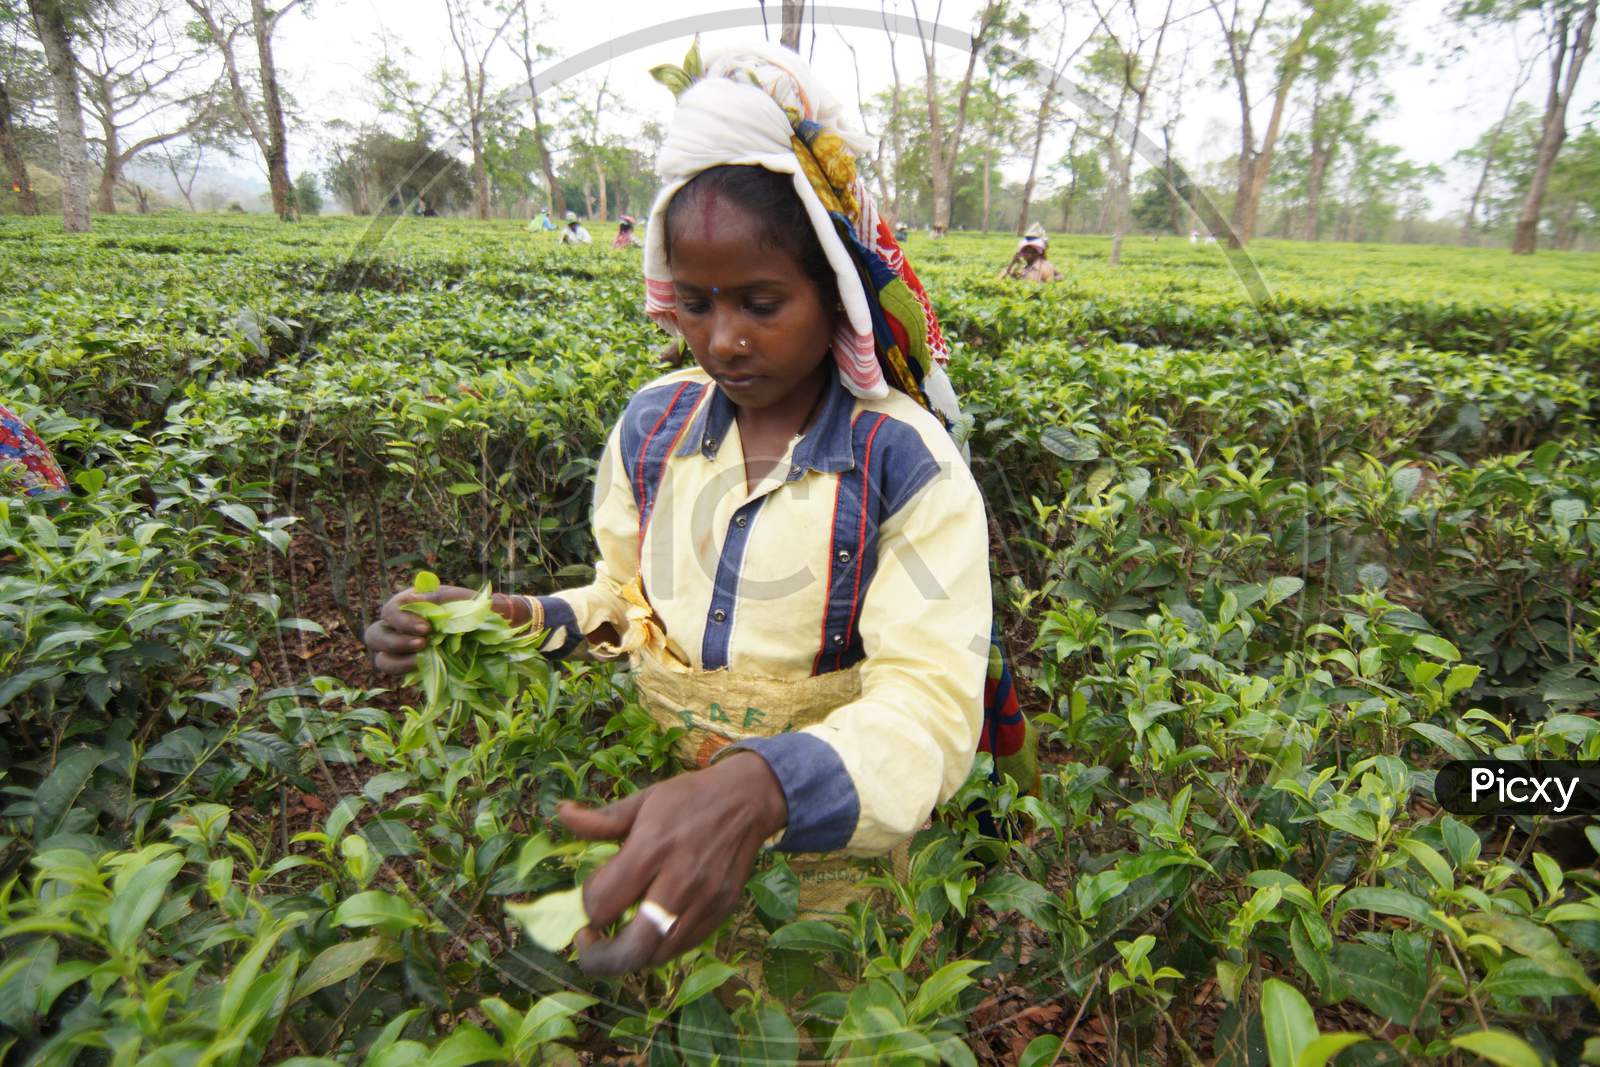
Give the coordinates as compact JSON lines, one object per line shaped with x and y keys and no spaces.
{"x":1270,"y":551}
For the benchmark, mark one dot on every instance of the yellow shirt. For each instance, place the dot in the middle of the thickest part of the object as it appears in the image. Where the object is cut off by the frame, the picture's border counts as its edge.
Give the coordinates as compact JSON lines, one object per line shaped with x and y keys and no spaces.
{"x":867,"y":545}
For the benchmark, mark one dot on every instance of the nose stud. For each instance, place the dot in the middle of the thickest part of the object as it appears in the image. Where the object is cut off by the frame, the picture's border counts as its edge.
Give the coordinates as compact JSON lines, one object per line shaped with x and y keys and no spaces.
{"x":743,"y":343}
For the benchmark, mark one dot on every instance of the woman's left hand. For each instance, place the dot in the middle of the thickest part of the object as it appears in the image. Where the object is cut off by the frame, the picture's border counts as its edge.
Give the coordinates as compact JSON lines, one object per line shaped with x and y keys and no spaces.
{"x":688,"y":845}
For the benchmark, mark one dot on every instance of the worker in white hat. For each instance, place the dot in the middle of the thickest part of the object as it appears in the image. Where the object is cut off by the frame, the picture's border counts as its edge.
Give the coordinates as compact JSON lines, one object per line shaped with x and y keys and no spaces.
{"x":1031,"y":259}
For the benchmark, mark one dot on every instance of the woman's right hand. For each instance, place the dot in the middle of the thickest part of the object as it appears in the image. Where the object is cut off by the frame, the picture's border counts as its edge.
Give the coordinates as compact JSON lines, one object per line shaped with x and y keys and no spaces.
{"x":397,"y":635}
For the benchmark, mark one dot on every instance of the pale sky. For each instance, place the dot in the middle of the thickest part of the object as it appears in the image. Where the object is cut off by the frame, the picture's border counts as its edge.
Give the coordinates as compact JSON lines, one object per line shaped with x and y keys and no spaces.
{"x":324,"y":56}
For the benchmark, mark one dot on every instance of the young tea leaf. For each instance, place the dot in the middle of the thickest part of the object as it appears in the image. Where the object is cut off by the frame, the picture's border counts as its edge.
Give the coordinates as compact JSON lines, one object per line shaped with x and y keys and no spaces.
{"x":554,"y":919}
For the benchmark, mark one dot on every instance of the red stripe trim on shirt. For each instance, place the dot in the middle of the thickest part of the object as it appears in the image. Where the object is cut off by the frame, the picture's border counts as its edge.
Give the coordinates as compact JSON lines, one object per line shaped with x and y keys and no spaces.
{"x":677,"y":438}
{"x":672,"y":450}
{"x":639,"y":464}
{"x":644,"y":519}
{"x":861,"y":539}
{"x":645,"y":447}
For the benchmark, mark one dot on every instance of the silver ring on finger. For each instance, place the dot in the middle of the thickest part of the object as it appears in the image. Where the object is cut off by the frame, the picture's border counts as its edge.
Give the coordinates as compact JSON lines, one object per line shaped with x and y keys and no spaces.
{"x":657,"y":916}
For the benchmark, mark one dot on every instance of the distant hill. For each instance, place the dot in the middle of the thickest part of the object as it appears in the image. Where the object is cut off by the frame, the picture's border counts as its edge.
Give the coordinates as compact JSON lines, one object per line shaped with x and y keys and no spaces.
{"x":215,"y":188}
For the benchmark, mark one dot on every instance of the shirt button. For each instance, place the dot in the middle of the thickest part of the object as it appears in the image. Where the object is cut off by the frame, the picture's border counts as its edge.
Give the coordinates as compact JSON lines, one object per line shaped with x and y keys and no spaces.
{"x":719,"y":615}
{"x":710,"y":446}
{"x":794,"y":472}
{"x":838,"y":639}
{"x":844,"y":555}
{"x":741,"y":520}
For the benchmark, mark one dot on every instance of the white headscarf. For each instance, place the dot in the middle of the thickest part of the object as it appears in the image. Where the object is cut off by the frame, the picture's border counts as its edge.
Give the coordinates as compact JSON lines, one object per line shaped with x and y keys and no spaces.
{"x":738,"y":114}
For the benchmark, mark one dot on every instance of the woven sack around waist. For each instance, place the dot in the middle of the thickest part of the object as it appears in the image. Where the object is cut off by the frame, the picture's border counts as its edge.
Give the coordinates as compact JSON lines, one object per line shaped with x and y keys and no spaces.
{"x":716,"y":709}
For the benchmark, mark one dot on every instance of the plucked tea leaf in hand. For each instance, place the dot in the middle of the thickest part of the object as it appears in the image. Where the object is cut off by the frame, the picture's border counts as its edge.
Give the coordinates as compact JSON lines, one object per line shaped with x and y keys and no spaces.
{"x":554,"y":919}
{"x":475,"y":659}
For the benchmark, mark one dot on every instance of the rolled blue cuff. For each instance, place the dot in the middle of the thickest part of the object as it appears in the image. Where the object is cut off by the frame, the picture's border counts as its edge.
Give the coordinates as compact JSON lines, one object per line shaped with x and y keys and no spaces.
{"x":562,"y":625}
{"x":823,"y":805}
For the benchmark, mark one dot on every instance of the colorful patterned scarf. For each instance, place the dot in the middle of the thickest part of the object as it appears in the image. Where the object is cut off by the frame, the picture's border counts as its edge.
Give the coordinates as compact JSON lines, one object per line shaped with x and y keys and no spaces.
{"x":906,"y":336}
{"x":26,"y":458}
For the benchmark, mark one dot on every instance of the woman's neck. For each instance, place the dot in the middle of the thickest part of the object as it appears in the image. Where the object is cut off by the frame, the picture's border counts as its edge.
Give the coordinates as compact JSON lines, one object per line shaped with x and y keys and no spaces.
{"x":765,"y":433}
{"x":791,"y":415}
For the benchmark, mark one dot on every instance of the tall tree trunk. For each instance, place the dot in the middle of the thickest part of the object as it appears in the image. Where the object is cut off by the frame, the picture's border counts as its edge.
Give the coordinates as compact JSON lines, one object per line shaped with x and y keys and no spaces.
{"x":938,"y":178}
{"x":97,"y":94}
{"x":1045,"y":104}
{"x":16,"y":168}
{"x":794,"y":19}
{"x":1072,"y":188}
{"x":110,"y":171}
{"x":1239,"y":67}
{"x":885,"y":201}
{"x":988,"y":185}
{"x":1491,"y":153}
{"x":1554,"y":134}
{"x":600,"y":181}
{"x":1526,"y":239}
{"x":1072,"y":185}
{"x":1118,"y":201}
{"x":185,"y":190}
{"x":1311,"y":229}
{"x":230,"y":63}
{"x":877,"y":160}
{"x":480,"y":170}
{"x":894,"y":132}
{"x":1174,"y":201}
{"x":945,"y":150}
{"x":1565,"y":224}
{"x":50,"y":25}
{"x":594,"y":143}
{"x":1142,"y":96}
{"x":277,"y":150}
{"x":1316,"y":166}
{"x":895,"y":146}
{"x":558,"y":199}
{"x":1122,"y":198}
{"x":1247,"y":162}
{"x":1321,"y":155}
{"x":1105,"y":220}
{"x":1255,"y":164}
{"x":1247,"y":205}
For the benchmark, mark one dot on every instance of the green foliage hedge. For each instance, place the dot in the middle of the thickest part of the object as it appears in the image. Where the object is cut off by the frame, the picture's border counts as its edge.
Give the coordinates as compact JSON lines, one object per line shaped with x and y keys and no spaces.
{"x":1266,"y":566}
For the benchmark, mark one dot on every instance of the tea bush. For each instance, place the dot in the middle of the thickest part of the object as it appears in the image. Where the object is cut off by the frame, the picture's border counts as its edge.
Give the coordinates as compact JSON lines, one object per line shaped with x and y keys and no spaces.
{"x":1267,"y":563}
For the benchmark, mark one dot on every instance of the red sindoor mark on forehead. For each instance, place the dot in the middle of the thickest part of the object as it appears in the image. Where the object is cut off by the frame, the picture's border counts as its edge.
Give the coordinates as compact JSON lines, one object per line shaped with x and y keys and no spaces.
{"x":708,"y":212}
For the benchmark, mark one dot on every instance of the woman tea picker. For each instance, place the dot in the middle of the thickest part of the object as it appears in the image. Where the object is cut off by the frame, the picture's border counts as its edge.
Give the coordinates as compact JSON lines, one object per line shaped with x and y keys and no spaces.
{"x":792,"y":551}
